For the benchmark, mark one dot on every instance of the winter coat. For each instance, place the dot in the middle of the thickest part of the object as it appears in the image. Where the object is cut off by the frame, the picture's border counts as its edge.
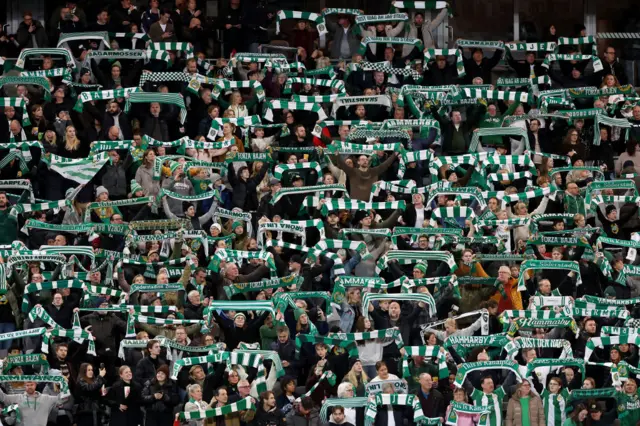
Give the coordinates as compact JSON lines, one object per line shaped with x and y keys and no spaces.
{"x":25,"y":39}
{"x":117,"y":396}
{"x":146,"y":369}
{"x":159,"y":412}
{"x":268,"y":418}
{"x":428,"y":27}
{"x":144,"y":177}
{"x":514,"y":411}
{"x":104,"y":329}
{"x":296,"y":419}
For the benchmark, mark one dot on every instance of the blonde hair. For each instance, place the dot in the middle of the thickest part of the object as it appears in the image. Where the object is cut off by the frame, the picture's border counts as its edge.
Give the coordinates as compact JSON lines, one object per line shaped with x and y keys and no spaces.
{"x":71,"y":145}
{"x":353,"y":378}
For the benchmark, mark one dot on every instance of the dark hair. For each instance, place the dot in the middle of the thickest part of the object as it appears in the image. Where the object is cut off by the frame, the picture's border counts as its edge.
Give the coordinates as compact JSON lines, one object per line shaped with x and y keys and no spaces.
{"x":337,"y":408}
{"x":576,"y":412}
{"x":284,"y":382}
{"x":150,"y":344}
{"x":306,"y":403}
{"x":82,"y":372}
{"x":27,"y":13}
{"x":62,"y":345}
{"x":380,"y":364}
{"x":165,"y":11}
{"x":485,"y":377}
{"x":224,"y":388}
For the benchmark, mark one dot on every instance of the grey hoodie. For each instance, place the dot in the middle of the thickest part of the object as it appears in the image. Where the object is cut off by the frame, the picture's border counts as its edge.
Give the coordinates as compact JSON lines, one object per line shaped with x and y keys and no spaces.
{"x":34,"y":409}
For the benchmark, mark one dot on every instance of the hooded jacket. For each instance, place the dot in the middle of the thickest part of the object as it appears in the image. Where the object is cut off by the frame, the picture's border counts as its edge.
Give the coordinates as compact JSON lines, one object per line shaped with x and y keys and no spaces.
{"x":34,"y":409}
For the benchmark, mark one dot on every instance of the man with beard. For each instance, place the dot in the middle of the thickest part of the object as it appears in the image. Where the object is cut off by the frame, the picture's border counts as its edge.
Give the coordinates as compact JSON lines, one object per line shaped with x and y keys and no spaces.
{"x":34,"y":407}
{"x":113,"y":117}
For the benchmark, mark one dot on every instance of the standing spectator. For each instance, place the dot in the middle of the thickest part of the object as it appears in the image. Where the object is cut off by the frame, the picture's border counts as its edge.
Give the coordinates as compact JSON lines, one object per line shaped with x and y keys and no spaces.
{"x":75,"y":14}
{"x":150,"y":16}
{"x":423,"y":29}
{"x":345,"y":42}
{"x":88,"y":394}
{"x":232,"y":36}
{"x":525,"y":407}
{"x":612,"y":66}
{"x":124,"y":397}
{"x":160,"y":396}
{"x":125,"y":15}
{"x":162,"y":31}
{"x":31,"y":33}
{"x":479,"y":66}
{"x":256,"y":18}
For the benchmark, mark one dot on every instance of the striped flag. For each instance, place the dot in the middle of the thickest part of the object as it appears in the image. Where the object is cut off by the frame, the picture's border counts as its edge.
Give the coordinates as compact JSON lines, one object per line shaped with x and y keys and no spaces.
{"x":80,"y":170}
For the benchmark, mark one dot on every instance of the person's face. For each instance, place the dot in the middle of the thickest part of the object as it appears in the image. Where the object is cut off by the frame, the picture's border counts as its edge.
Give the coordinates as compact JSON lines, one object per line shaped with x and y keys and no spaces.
{"x":426,"y":382}
{"x":590,"y":327}
{"x":504,"y":274}
{"x":155,"y":350}
{"x":61,"y":352}
{"x":610,"y":81}
{"x":30,"y":388}
{"x":363,"y":161}
{"x":587,"y":384}
{"x":198,"y":374}
{"x":360,"y":111}
{"x":575,"y":74}
{"x":456,"y":117}
{"x":492,"y":110}
{"x":545,"y":287}
{"x":239,"y":321}
{"x":477,"y":56}
{"x":394,"y":310}
{"x":487,"y":385}
{"x":57,"y":300}
{"x":613,"y":215}
{"x":573,"y":189}
{"x":423,"y":242}
{"x":388,"y":55}
{"x":126,"y":375}
{"x":181,"y":335}
{"x":467,"y":256}
{"x":556,"y":255}
{"x":383,"y":372}
{"x":155,"y":109}
{"x":301,"y":132}
{"x":525,"y":388}
{"x":321,"y":351}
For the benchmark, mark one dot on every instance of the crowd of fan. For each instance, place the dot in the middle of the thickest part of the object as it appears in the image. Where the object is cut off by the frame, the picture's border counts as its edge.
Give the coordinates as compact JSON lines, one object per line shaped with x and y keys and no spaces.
{"x":259,"y":223}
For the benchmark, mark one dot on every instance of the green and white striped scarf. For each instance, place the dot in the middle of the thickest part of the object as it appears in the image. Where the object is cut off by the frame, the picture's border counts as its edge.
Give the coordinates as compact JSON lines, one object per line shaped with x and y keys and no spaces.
{"x":27,"y":359}
{"x":187,"y":48}
{"x":279,"y":228}
{"x":420,"y":5}
{"x":450,"y":212}
{"x":435,"y":352}
{"x":383,"y":100}
{"x":37,"y":81}
{"x":432,"y":53}
{"x":486,"y":365}
{"x":594,"y":92}
{"x":17,"y":103}
{"x":240,"y":288}
{"x":306,"y":190}
{"x":564,"y":265}
{"x":597,"y":63}
{"x":330,"y":340}
{"x":51,"y":285}
{"x":480,"y":44}
{"x":417,"y":43}
{"x":225,"y":85}
{"x":601,"y":342}
{"x":574,"y":41}
{"x":367,"y":20}
{"x":608,"y":121}
{"x":498,"y":131}
{"x":532,"y":47}
{"x":354,"y":402}
{"x":163,"y":98}
{"x":309,"y":16}
{"x":458,"y":408}
{"x":332,"y":204}
{"x":502,"y":95}
{"x":80,"y":170}
{"x":312,"y":165}
{"x":332,"y":83}
{"x":242,"y":405}
{"x":519,"y":82}
{"x":164,"y":76}
{"x":25,"y":53}
{"x":515,"y":345}
{"x":408,"y":257}
{"x":328,"y":375}
{"x":317,"y":130}
{"x":427,"y":299}
{"x":394,"y":399}
{"x":290,"y":105}
{"x":59,"y":380}
{"x":65,"y":73}
{"x":77,"y":334}
{"x":156,"y":321}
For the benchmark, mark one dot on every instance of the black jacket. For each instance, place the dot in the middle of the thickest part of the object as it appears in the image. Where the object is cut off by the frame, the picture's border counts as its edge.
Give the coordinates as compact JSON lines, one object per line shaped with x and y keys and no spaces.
{"x":244,"y":192}
{"x":159,"y":412}
{"x":433,"y":405}
{"x":104,"y":329}
{"x":132,"y":416}
{"x":483,"y":69}
{"x":146,"y":369}
{"x":268,"y":418}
